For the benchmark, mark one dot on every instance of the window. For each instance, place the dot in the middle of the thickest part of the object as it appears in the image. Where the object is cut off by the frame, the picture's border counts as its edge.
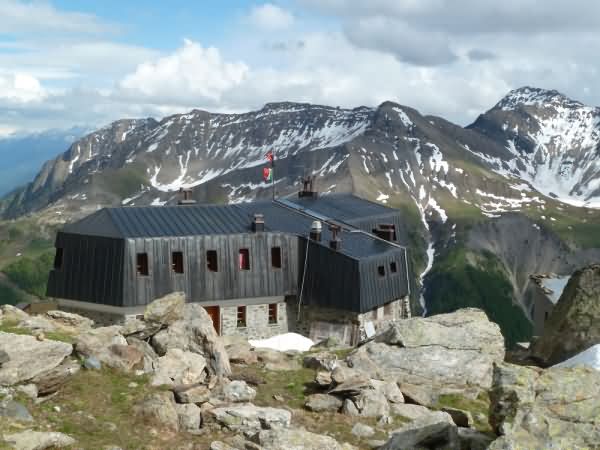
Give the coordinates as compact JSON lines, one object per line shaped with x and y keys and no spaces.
{"x":244,"y":259}
{"x":393,"y":267}
{"x":142,"y":264}
{"x":241,"y":316}
{"x":381,"y":271}
{"x":272,"y":313}
{"x":58,"y":258}
{"x":211,"y":261}
{"x":276,"y":257}
{"x":545,"y":316}
{"x":177,"y":262}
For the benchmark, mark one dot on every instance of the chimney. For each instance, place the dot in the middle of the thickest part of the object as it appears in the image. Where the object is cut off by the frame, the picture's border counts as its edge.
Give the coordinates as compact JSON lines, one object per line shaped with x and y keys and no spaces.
{"x":258,"y":223}
{"x":187,"y":197}
{"x":335,"y":243}
{"x":308,"y":187}
{"x":385,"y":231}
{"x":315,"y":231}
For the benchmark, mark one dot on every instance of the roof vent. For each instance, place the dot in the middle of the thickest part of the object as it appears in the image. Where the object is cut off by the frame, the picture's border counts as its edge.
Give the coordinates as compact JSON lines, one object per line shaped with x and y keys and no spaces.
{"x":336,"y":242}
{"x":258,"y":223}
{"x":308,"y":187}
{"x":315,"y":231}
{"x":186,"y":197}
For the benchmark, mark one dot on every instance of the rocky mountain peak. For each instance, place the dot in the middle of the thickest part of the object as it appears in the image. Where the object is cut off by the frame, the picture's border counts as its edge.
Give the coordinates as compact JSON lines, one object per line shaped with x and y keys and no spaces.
{"x":532,"y":97}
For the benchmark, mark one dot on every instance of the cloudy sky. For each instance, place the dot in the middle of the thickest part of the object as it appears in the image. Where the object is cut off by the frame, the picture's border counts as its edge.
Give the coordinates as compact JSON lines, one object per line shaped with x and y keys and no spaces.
{"x":81,"y":62}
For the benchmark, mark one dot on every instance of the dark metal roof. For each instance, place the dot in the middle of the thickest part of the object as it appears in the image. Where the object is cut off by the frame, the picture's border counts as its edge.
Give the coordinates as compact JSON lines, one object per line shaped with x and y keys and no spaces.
{"x":194,"y":220}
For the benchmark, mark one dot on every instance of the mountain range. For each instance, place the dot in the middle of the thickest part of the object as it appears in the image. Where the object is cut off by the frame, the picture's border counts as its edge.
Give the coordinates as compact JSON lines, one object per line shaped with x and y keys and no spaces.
{"x":513,"y":194}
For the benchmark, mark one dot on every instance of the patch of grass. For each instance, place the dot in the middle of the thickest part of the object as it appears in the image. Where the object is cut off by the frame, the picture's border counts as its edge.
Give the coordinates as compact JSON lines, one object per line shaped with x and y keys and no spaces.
{"x":31,"y":274}
{"x":9,"y":296}
{"x":479,"y":408}
{"x":13,"y":327}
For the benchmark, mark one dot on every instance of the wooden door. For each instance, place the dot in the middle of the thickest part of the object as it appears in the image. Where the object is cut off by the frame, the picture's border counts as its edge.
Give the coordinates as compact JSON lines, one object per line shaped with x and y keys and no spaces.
{"x":215,"y":314}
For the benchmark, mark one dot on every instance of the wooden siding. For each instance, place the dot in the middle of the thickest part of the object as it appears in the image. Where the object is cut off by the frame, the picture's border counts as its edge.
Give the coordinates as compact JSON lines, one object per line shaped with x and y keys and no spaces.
{"x":200,"y":284}
{"x":92,"y":269}
{"x":376,"y":290}
{"x":331,"y":279}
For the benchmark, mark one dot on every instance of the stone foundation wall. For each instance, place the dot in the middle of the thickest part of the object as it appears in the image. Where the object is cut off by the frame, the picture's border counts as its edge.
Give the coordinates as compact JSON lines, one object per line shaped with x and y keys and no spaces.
{"x":257,"y":321}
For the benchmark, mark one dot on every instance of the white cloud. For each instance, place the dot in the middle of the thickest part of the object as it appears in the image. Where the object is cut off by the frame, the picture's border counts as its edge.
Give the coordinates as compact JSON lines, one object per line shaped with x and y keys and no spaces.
{"x":27,"y":17}
{"x":191,"y":73}
{"x":270,"y":17}
{"x":20,"y":88}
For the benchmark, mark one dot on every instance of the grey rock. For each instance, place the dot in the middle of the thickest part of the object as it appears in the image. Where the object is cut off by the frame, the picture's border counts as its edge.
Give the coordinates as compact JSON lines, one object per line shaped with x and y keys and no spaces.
{"x":425,"y":395}
{"x":362,"y":431}
{"x":29,"y":357}
{"x":192,"y":394}
{"x":179,"y":367}
{"x":51,"y":381}
{"x":372,"y":403}
{"x":238,"y":391}
{"x":3,"y":357}
{"x":150,"y":356}
{"x":389,"y":389}
{"x":446,"y":351}
{"x":343,"y":373}
{"x":574,"y":324}
{"x":276,"y":360}
{"x":410,"y":411}
{"x":323,"y":378}
{"x":12,"y":314}
{"x":166,"y":310}
{"x":92,"y":363}
{"x":69,"y":319}
{"x":38,"y":440}
{"x":241,"y":353}
{"x":247,"y":418}
{"x":108,"y":346}
{"x":298,"y":439}
{"x":189,"y":417}
{"x":471,"y":439}
{"x":29,"y":390}
{"x":321,"y":361}
{"x":140,"y":329}
{"x":323,"y":402}
{"x":159,"y":407}
{"x":37,"y":324}
{"x":352,"y":386}
{"x":195,"y":333}
{"x":434,"y":431}
{"x":14,"y":410}
{"x":553,"y":408}
{"x":218,"y":445}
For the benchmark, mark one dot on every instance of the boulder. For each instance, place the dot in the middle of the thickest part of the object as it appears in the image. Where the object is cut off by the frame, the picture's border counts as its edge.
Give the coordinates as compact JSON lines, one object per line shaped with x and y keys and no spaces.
{"x":342,"y":373}
{"x":434,"y":431}
{"x":29,"y":390}
{"x":446,"y":351}
{"x":389,"y":389}
{"x":12,"y":314}
{"x":166,"y":310}
{"x":159,"y":408}
{"x":460,"y":417}
{"x":574,"y":324}
{"x":552,"y":408}
{"x":362,"y":431}
{"x":92,"y":363}
{"x":410,"y":411}
{"x":3,"y":357}
{"x":198,"y":393}
{"x":51,"y":381}
{"x":471,"y":439}
{"x":179,"y":367}
{"x":419,"y":394}
{"x":323,"y":402}
{"x":323,"y":378}
{"x":298,"y":439}
{"x":14,"y":410}
{"x":28,"y":357}
{"x":69,"y":320}
{"x":369,"y":403}
{"x":195,"y":333}
{"x":38,"y":324}
{"x":139,"y":329}
{"x":108,"y":346}
{"x":150,"y":356}
{"x":38,"y":440}
{"x":247,"y":418}
{"x":321,"y":361}
{"x":238,"y":391}
{"x":352,"y":387}
{"x":276,"y":360}
{"x":189,"y":417}
{"x":241,"y":353}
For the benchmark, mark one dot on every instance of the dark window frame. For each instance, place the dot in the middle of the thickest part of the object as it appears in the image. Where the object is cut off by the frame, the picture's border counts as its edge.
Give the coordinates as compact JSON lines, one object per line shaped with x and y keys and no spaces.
{"x":393,"y":267}
{"x":381,"y":271}
{"x":142,"y":264}
{"x":276,"y":257}
{"x":273,"y":309}
{"x":244,"y":259}
{"x":177,"y":262}
{"x":59,"y":258}
{"x":212,"y":261}
{"x":241,"y":316}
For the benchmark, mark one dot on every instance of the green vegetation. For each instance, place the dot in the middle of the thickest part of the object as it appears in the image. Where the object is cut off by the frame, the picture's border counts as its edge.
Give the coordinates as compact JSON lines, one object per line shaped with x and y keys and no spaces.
{"x":123,"y":182}
{"x":9,"y":296}
{"x":479,"y":408}
{"x":460,"y":279}
{"x":12,"y":327}
{"x":31,"y":274}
